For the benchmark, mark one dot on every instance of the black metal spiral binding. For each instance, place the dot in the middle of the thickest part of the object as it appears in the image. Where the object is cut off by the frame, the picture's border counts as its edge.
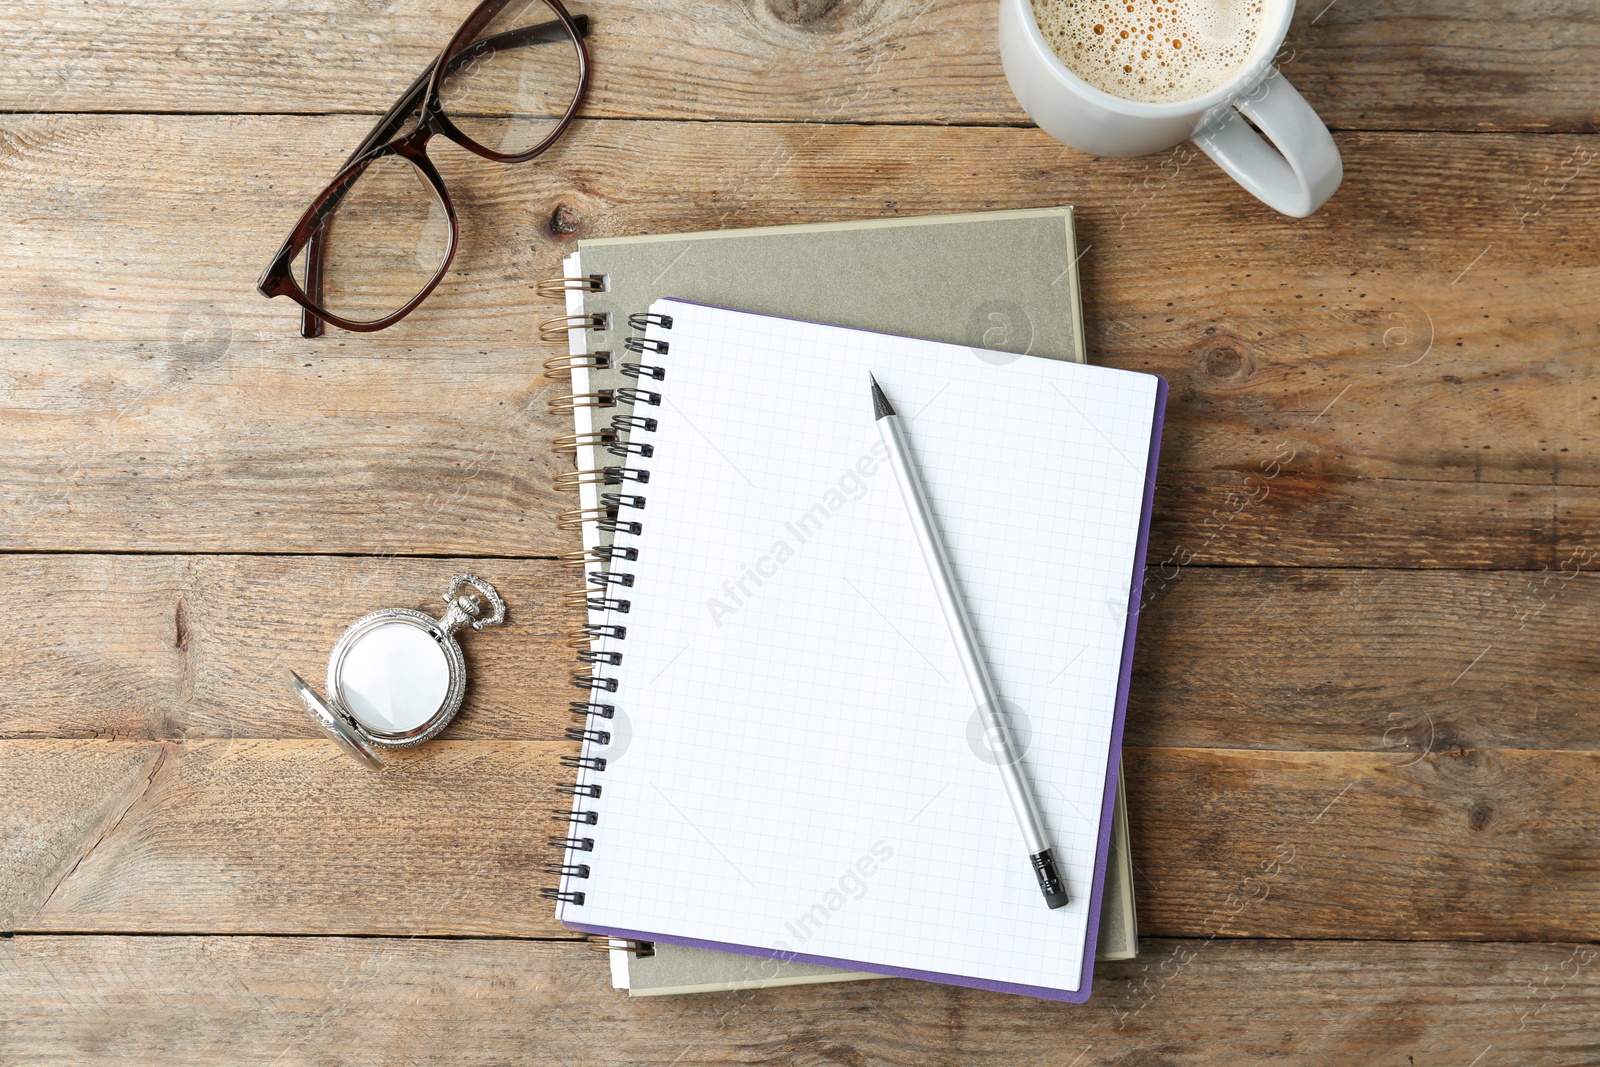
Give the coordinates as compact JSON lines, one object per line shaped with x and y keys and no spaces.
{"x":590,"y":681}
{"x":627,"y":448}
{"x":633,"y":422}
{"x":598,"y":595}
{"x":639,"y":396}
{"x":608,"y":629}
{"x":585,"y":597}
{"x":566,"y":897}
{"x":588,"y":708}
{"x":577,"y":844}
{"x":647,"y":344}
{"x":574,"y":870}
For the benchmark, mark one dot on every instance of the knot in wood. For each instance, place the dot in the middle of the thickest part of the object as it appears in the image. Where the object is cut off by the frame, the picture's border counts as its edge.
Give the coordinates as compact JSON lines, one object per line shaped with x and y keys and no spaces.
{"x":807,"y":14}
{"x":1223,"y":358}
{"x":564,"y":222}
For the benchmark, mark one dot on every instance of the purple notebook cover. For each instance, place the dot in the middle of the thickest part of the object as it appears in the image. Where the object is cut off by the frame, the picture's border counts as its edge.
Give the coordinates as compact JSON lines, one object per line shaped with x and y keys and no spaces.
{"x":1081,"y":994}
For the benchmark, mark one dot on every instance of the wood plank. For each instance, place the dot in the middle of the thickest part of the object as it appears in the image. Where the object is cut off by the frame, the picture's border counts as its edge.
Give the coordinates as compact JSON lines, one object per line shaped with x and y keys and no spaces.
{"x":1417,"y":64}
{"x":230,"y":1000}
{"x":244,"y":835}
{"x":174,"y":647}
{"x":1402,"y":663}
{"x":1416,"y":403}
{"x":258,"y":836}
{"x":1364,"y":278}
{"x":272,"y":446}
{"x":1317,"y":844}
{"x":1406,"y":663}
{"x":435,"y":450}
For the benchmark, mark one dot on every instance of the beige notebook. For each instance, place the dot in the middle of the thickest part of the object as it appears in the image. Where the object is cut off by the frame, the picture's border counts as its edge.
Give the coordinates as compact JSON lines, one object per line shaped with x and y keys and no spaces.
{"x":1002,"y":282}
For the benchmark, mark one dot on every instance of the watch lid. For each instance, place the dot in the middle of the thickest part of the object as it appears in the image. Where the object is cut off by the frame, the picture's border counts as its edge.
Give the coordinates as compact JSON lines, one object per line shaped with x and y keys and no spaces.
{"x":335,"y":723}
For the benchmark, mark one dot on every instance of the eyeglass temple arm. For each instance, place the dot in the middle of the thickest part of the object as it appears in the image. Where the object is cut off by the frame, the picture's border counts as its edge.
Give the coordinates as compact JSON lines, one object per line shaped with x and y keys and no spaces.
{"x":311,"y":324}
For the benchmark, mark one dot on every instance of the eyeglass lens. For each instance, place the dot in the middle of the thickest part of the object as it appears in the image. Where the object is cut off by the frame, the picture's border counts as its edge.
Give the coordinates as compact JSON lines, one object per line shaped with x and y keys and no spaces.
{"x":510,"y":87}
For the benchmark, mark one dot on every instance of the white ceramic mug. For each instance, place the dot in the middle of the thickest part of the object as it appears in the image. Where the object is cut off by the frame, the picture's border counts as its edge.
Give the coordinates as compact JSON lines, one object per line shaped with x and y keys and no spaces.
{"x":1294,"y":168}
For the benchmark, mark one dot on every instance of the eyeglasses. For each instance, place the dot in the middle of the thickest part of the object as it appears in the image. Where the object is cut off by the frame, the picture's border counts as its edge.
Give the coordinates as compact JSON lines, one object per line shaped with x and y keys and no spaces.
{"x":378,"y":239}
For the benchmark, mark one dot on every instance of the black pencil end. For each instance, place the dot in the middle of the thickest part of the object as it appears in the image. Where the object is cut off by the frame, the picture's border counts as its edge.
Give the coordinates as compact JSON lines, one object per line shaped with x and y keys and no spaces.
{"x":1050,"y":883}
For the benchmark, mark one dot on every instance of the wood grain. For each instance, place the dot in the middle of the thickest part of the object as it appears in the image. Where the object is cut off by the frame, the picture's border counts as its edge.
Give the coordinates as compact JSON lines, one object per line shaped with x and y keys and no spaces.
{"x":224,"y":1001}
{"x":1395,"y":662}
{"x":1417,"y":64}
{"x":1319,"y":751}
{"x":1397,"y":381}
{"x":59,"y":802}
{"x":260,"y":836}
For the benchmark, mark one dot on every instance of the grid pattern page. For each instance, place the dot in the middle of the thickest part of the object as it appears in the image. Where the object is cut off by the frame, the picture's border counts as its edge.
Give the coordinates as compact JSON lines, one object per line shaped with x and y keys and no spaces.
{"x":796,"y":763}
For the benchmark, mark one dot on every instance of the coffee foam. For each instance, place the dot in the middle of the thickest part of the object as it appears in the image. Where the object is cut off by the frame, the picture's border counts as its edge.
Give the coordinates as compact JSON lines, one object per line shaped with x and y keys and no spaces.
{"x":1155,"y":51}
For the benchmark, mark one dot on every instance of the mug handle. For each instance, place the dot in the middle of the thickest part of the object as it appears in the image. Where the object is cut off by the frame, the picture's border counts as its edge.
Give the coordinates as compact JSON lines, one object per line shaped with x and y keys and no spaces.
{"x":1295,"y":167}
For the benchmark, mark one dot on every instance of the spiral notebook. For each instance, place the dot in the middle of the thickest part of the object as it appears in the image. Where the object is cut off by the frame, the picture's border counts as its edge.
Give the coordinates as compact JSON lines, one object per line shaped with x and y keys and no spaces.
{"x":1001,"y":280}
{"x":784,"y":768}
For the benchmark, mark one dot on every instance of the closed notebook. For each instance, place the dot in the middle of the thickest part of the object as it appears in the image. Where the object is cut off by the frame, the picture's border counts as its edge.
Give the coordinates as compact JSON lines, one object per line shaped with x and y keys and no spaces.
{"x":783,"y":759}
{"x":1005,"y":281}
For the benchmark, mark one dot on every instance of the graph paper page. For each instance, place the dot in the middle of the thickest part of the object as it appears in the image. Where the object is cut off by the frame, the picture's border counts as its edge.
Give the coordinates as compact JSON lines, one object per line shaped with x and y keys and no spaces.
{"x":796,"y":763}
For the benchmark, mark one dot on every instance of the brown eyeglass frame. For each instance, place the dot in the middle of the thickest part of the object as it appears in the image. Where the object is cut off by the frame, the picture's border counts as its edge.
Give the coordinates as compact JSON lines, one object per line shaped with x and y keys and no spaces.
{"x":310,"y":232}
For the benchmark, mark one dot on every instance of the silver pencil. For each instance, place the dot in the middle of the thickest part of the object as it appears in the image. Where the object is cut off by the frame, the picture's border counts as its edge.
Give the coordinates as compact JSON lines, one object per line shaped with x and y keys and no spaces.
{"x":983,"y":688}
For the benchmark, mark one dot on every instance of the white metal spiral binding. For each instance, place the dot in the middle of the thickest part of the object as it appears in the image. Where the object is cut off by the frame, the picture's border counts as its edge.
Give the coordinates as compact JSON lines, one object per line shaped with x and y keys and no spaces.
{"x":603,"y":595}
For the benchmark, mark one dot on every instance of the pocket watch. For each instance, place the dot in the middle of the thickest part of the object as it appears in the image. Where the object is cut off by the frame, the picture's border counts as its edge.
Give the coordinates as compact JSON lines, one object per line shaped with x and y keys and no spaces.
{"x":397,"y":676}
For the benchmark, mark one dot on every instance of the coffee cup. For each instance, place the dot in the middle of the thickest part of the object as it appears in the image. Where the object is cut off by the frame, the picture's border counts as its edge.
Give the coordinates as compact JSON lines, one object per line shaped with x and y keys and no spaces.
{"x":1292,"y":164}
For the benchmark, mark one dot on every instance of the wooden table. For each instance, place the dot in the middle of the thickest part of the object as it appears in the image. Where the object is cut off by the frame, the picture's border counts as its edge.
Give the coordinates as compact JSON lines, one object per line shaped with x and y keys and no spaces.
{"x":1364,"y":743}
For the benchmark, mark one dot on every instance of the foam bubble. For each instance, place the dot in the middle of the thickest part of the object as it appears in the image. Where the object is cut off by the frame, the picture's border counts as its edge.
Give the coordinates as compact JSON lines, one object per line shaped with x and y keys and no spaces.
{"x":1155,"y":51}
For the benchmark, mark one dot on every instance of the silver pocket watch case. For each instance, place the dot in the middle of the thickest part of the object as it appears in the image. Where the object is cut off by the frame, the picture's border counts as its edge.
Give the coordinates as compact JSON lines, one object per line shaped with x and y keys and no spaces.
{"x":396,"y":677}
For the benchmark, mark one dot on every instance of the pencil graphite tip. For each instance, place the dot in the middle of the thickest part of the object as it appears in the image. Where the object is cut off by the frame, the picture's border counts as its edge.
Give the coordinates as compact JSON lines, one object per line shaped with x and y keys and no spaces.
{"x":880,"y":403}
